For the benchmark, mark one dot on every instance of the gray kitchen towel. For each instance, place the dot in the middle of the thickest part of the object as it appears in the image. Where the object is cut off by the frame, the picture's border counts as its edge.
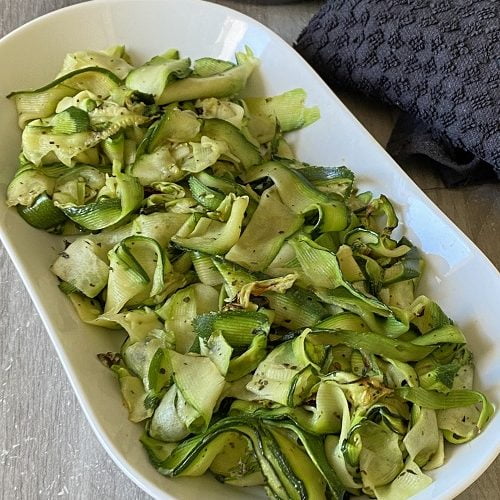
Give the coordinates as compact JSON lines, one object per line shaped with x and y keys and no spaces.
{"x":438,"y":61}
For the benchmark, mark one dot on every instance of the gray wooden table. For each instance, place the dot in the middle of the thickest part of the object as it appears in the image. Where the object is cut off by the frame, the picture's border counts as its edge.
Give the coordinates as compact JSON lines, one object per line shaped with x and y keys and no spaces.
{"x":47,"y":448}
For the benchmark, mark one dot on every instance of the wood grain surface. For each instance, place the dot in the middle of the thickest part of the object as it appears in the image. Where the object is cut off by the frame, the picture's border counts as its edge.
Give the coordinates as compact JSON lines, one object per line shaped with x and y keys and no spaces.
{"x":47,"y":448}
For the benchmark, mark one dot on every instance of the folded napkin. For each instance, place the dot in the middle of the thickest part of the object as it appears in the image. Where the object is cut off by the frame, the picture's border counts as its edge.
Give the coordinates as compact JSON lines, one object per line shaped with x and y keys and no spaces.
{"x":438,"y":61}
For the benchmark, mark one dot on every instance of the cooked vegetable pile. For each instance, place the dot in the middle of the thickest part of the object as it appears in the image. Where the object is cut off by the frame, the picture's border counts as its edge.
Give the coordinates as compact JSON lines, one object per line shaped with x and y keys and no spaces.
{"x":275,"y":335}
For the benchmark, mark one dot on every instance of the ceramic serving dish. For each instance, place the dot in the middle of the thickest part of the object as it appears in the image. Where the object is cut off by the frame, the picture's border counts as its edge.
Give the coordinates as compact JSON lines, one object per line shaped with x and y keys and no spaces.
{"x":458,"y":275}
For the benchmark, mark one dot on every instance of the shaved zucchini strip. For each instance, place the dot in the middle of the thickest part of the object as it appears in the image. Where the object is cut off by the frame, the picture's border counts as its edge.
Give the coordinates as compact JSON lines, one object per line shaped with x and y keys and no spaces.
{"x":422,"y":440}
{"x":83,"y":264}
{"x":380,"y":456}
{"x":295,"y":190}
{"x":42,"y":214}
{"x":296,"y":308}
{"x":301,"y":196}
{"x":145,"y":358}
{"x":381,"y":206}
{"x":41,"y":139}
{"x":138,"y":270}
{"x":42,"y":102}
{"x":157,"y":451}
{"x":259,"y":244}
{"x":133,"y":394}
{"x":446,"y":333}
{"x":213,"y":237}
{"x":344,"y":321}
{"x":27,"y":186}
{"x":287,"y":471}
{"x":288,"y":373}
{"x":138,"y":323}
{"x":193,"y":456}
{"x":227,"y":186}
{"x":153,"y":76}
{"x":456,"y":398}
{"x":205,"y":269}
{"x":337,"y":180}
{"x":238,"y":327}
{"x":208,"y":66}
{"x":237,"y":464}
{"x":321,"y":267}
{"x":204,"y":195}
{"x":187,"y":371}
{"x":182,"y":308}
{"x":380,"y":246}
{"x":239,"y":146}
{"x":90,"y":311}
{"x":228,"y":83}
{"x":314,"y":448}
{"x":298,"y":465}
{"x":324,"y":418}
{"x":410,"y":481}
{"x":175,"y":126}
{"x":106,"y":211}
{"x":333,"y":447}
{"x":427,"y":315}
{"x":248,"y":361}
{"x":409,"y":267}
{"x":288,"y":108}
{"x":234,"y":277}
{"x":114,"y":59}
{"x":372,"y":342}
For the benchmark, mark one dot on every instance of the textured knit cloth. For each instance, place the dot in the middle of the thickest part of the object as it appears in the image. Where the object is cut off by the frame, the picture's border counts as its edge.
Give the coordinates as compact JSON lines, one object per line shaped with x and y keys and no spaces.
{"x":438,"y":61}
